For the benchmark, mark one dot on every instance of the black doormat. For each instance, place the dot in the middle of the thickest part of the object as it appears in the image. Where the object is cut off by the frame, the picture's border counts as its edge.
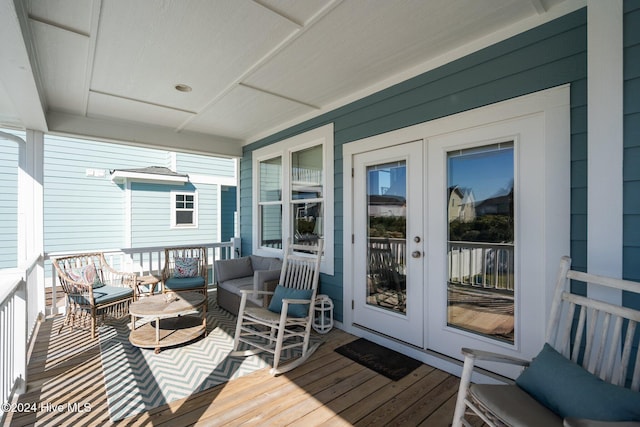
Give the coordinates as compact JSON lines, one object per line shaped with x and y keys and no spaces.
{"x":384,"y":361}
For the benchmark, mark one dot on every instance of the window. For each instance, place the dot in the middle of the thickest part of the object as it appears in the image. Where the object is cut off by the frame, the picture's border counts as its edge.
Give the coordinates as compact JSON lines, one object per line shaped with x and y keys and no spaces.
{"x":293,"y":189}
{"x":481,"y":239}
{"x":184,"y":210}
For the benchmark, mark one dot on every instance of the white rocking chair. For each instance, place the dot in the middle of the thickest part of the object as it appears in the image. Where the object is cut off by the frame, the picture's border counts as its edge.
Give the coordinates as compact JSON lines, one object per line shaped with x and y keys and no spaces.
{"x":585,"y":376}
{"x":286,"y":323}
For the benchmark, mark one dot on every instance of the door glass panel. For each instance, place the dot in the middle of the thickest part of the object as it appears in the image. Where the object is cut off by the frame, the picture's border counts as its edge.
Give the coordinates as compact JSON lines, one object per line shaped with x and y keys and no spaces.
{"x":480,"y":288}
{"x":386,"y":239}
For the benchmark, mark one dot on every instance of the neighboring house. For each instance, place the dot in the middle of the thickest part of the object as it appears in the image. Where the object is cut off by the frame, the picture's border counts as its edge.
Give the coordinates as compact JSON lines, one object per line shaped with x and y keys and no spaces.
{"x":462,"y":204}
{"x":101,"y":196}
{"x":498,"y":205}
{"x":8,"y":203}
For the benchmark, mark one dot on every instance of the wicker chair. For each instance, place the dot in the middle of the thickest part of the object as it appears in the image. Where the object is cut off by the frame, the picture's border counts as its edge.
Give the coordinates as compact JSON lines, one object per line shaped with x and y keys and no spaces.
{"x":93,"y":289}
{"x":185,"y":269}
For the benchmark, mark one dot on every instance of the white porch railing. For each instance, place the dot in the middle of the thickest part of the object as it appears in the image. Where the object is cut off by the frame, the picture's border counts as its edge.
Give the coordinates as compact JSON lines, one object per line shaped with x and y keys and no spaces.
{"x":149,"y":260}
{"x":486,"y":265}
{"x":19,"y":311}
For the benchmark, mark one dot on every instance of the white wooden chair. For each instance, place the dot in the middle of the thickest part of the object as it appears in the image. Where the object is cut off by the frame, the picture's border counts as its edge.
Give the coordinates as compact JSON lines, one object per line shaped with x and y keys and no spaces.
{"x":286,"y":323}
{"x":590,"y":337}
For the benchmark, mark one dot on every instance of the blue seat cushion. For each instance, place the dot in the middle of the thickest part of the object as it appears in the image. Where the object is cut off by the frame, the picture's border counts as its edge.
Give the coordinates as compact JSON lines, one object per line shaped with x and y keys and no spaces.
{"x":571,"y":391}
{"x":105,"y":294}
{"x":294,"y":310}
{"x":178,"y":283}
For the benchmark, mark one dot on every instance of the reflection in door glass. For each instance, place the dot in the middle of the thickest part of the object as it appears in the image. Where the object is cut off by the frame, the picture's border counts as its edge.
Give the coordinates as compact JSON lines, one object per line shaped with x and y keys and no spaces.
{"x":386,"y":239}
{"x":480,"y":286}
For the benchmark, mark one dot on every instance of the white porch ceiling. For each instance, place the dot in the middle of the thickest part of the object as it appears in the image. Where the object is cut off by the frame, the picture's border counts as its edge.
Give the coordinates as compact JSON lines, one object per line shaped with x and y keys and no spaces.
{"x":108,"y":68}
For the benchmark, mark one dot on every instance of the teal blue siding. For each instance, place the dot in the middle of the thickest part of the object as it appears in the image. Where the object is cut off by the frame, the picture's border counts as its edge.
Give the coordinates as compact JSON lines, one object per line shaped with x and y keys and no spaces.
{"x":631,"y":168}
{"x":151,"y":206}
{"x":228,"y":213}
{"x":8,"y":204}
{"x":204,"y":165}
{"x":547,"y":56}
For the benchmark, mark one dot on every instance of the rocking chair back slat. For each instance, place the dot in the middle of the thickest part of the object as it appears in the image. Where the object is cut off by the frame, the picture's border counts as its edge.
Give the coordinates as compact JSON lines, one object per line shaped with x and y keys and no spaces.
{"x":299,"y":272}
{"x":596,"y":334}
{"x":600,"y":336}
{"x":275,"y":328}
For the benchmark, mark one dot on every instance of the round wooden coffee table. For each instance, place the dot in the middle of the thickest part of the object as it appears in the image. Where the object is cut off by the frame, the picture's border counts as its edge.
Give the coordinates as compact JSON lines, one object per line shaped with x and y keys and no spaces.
{"x":163,"y":322}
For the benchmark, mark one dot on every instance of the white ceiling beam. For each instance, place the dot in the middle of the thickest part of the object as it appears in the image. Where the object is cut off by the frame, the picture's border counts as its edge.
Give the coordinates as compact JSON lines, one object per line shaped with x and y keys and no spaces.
{"x":130,"y":133}
{"x":297,"y":101}
{"x":280,"y":14}
{"x":269,"y":55}
{"x":93,"y":39}
{"x":16,"y":72}
{"x":58,"y":25}
{"x":539,"y":7}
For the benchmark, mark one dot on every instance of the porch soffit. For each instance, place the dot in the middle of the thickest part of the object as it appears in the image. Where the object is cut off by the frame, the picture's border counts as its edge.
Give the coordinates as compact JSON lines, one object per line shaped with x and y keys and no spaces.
{"x":107,"y":70}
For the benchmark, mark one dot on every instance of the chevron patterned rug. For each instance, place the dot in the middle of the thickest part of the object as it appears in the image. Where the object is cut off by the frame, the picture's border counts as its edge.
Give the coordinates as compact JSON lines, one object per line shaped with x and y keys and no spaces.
{"x":137,"y":380}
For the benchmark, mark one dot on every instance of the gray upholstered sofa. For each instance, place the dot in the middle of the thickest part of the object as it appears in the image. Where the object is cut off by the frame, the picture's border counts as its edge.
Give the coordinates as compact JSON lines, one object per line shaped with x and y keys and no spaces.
{"x":251,"y":272}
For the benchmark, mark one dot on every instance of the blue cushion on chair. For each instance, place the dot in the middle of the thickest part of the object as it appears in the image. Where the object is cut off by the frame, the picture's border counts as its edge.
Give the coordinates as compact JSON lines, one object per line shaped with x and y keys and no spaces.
{"x":571,"y":391}
{"x":105,"y":294}
{"x":295,"y":310}
{"x":177,"y":283}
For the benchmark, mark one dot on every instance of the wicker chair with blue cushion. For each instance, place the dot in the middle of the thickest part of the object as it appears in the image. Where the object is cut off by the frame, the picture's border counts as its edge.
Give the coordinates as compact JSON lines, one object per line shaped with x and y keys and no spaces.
{"x":93,"y":289}
{"x":185,"y":269}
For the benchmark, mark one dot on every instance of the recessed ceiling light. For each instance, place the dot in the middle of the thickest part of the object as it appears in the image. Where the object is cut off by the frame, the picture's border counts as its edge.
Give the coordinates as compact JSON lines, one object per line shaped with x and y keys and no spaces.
{"x":183,"y":88}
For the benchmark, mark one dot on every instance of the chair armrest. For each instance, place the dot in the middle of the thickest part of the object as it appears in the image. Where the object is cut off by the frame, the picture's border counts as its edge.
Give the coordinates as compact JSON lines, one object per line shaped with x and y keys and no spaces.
{"x":249,"y":291}
{"x":578,"y":422}
{"x":296,"y":301}
{"x":493,"y":357}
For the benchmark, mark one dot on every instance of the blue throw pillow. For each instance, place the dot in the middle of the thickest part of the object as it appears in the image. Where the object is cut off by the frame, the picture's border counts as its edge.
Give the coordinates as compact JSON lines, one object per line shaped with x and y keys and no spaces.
{"x":295,"y":310}
{"x":571,"y":391}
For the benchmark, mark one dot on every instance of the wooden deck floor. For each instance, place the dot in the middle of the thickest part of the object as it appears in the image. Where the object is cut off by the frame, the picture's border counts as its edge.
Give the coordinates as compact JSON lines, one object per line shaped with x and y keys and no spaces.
{"x":328,"y":390}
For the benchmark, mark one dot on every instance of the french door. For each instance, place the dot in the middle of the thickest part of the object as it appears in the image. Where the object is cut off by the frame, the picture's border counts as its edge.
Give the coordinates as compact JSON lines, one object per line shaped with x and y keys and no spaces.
{"x":388,"y":200}
{"x":456,"y":234}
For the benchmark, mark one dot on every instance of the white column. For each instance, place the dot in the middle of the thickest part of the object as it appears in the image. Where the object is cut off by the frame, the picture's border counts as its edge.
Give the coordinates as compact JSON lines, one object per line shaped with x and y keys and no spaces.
{"x":32,"y":194}
{"x":605,"y":139}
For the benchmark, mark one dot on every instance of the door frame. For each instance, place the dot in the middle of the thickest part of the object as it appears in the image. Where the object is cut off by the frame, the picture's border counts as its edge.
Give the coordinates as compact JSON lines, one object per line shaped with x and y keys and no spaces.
{"x":554,"y":105}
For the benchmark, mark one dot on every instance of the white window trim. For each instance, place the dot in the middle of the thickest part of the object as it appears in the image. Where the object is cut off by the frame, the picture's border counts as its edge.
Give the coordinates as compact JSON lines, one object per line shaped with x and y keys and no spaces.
{"x":172,"y":205}
{"x":322,"y":135}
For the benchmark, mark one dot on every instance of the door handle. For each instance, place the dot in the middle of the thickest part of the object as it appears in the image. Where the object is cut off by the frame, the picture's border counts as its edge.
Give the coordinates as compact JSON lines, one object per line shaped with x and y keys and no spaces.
{"x":416,"y":254}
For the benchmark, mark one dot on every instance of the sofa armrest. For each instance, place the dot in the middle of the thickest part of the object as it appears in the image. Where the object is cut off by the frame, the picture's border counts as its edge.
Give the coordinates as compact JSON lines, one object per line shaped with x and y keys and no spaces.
{"x":262,"y":276}
{"x":269,"y":287}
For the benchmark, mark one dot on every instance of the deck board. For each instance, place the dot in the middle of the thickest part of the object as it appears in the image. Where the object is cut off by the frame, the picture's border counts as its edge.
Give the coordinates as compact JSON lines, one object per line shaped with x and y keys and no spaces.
{"x":328,"y":390}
